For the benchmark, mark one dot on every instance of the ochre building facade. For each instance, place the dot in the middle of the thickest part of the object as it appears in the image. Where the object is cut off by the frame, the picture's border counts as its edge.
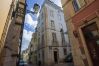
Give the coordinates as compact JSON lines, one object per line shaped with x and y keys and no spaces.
{"x":82,"y":19}
{"x":11,"y":18}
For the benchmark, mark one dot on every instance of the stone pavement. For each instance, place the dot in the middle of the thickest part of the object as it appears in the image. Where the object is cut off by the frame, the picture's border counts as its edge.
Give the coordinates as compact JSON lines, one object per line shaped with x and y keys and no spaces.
{"x":64,"y":64}
{"x":59,"y":64}
{"x":32,"y":65}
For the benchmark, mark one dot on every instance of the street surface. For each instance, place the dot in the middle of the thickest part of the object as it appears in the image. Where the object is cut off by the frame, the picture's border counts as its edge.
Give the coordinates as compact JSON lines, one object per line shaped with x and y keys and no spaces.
{"x":60,"y":64}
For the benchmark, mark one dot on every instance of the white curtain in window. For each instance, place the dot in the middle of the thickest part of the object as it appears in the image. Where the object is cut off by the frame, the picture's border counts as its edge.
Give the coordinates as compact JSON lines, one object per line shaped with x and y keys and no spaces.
{"x":80,"y":3}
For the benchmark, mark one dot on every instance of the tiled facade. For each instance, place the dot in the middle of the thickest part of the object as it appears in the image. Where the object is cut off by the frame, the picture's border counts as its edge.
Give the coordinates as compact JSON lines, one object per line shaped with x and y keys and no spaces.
{"x":77,"y":19}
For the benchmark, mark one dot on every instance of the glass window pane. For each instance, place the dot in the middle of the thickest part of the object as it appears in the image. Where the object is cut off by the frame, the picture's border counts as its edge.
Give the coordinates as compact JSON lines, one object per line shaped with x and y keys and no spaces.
{"x":81,"y":2}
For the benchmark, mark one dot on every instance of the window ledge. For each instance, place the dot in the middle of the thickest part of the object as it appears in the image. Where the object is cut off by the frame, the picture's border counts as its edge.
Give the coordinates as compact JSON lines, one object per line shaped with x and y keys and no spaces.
{"x":85,"y":6}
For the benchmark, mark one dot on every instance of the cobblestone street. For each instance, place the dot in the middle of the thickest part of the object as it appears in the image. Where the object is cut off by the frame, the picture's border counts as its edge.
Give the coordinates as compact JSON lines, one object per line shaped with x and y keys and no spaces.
{"x":64,"y":64}
{"x":60,"y":64}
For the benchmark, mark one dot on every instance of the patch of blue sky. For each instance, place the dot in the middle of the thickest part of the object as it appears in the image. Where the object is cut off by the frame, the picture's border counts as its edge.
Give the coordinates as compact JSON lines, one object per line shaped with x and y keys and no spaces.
{"x":29,"y":27}
{"x":31,"y":21}
{"x":30,"y":3}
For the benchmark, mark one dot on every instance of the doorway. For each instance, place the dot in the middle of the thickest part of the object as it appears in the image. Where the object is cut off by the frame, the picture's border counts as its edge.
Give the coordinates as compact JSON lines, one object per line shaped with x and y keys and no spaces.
{"x":55,"y":57}
{"x":91,"y":35}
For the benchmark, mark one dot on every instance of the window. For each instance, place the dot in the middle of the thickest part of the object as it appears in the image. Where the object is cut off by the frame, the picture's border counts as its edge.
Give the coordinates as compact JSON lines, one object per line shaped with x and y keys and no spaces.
{"x":42,"y":28}
{"x":59,"y":15}
{"x":62,"y":37}
{"x":39,"y":40}
{"x":65,"y":51}
{"x":39,"y":19}
{"x":78,"y":4}
{"x":42,"y":40}
{"x":54,"y":37}
{"x":52,"y":24}
{"x":39,"y":55}
{"x":51,"y":13}
{"x":76,"y":7}
{"x":81,"y":3}
{"x":42,"y":16}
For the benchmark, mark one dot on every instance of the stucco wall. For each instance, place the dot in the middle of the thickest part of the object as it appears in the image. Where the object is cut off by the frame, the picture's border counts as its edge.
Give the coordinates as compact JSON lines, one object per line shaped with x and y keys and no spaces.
{"x":89,"y":11}
{"x":4,"y":9}
{"x":45,"y":21}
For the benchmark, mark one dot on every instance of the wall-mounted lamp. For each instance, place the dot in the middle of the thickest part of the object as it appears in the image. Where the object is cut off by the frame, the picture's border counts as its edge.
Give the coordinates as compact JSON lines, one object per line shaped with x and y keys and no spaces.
{"x":75,"y":34}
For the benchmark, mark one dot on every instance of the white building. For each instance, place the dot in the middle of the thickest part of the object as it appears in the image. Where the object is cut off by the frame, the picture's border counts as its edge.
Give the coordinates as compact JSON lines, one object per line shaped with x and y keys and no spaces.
{"x":33,"y":48}
{"x":53,"y":43}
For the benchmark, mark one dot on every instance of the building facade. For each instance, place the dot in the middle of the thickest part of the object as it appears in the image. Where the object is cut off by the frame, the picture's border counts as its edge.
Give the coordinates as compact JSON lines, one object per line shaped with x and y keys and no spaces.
{"x":25,"y":55}
{"x":33,"y":49}
{"x":82,"y":19}
{"x":53,"y":44}
{"x":11,"y":16}
{"x":3,"y":16}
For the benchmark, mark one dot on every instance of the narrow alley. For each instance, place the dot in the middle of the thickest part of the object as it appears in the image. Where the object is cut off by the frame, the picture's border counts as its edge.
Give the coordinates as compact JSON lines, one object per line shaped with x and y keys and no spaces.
{"x":49,"y":32}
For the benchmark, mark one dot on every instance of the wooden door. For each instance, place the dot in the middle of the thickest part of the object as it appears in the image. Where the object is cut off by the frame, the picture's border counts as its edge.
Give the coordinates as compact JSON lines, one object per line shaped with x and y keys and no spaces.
{"x":55,"y":57}
{"x":91,"y":35}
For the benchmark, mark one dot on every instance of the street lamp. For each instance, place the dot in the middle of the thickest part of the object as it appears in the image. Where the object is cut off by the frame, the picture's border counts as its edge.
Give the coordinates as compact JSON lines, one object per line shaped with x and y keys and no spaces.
{"x":36,"y":8}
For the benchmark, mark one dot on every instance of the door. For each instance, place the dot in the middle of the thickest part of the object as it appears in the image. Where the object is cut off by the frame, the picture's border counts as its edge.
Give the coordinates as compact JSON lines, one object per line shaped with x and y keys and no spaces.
{"x":91,"y":35}
{"x":55,"y":57}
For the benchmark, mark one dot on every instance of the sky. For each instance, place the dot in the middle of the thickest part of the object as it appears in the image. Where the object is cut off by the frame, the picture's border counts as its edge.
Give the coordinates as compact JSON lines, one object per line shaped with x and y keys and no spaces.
{"x":30,"y":22}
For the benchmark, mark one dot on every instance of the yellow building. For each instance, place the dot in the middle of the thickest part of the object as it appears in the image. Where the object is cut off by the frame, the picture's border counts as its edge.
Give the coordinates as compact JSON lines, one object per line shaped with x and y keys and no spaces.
{"x":25,"y":55}
{"x":11,"y":18}
{"x":82,"y":19}
{"x":4,"y":20}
